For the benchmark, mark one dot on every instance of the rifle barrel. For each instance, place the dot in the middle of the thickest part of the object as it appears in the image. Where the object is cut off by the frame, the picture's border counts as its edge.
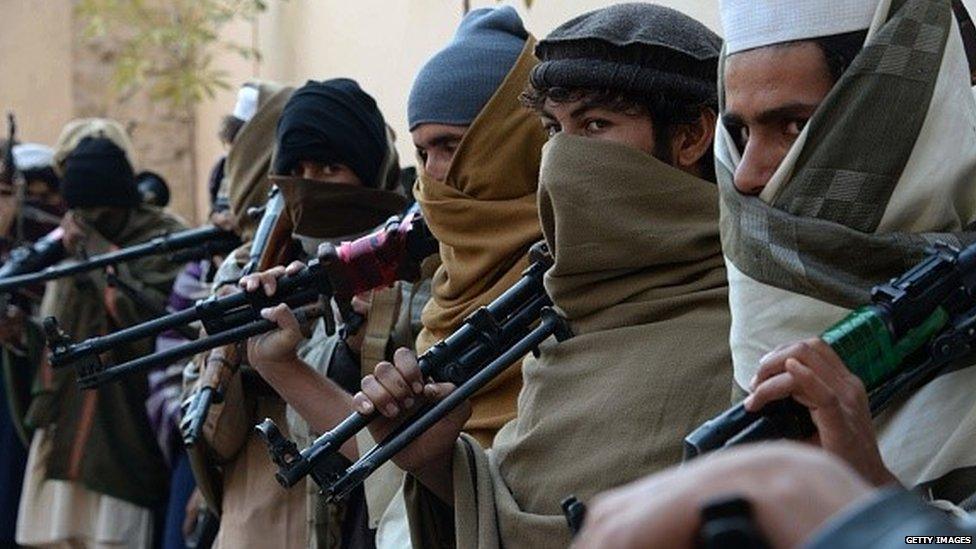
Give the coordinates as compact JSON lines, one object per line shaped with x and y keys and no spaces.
{"x":501,"y":323}
{"x":408,"y":432}
{"x":159,"y":245}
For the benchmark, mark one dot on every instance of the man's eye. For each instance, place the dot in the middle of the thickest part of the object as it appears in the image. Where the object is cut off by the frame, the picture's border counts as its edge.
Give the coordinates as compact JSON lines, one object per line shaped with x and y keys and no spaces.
{"x":739,"y":134}
{"x":597,"y":125}
{"x":551,"y":130}
{"x":422,"y":154}
{"x":794,"y":127}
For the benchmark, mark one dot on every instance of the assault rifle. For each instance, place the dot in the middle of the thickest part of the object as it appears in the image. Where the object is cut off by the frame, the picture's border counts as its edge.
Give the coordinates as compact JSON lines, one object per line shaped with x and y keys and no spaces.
{"x":47,"y":251}
{"x":12,"y":180}
{"x":182,"y":247}
{"x":272,"y":230}
{"x":374,"y":261}
{"x":917,"y":326}
{"x":489,"y":341}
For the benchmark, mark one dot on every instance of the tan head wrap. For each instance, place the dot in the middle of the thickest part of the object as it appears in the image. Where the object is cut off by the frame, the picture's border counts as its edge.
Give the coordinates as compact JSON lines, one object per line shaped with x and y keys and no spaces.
{"x":76,"y":130}
{"x":484,"y":215}
{"x":249,"y":159}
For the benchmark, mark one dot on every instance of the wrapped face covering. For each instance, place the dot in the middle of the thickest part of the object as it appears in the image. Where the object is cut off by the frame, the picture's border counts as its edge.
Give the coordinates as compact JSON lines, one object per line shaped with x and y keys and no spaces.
{"x":485,"y":217}
{"x":332,"y":122}
{"x":40,"y":215}
{"x":333,"y":212}
{"x":870,"y":183}
{"x":248,"y":163}
{"x":638,"y":273}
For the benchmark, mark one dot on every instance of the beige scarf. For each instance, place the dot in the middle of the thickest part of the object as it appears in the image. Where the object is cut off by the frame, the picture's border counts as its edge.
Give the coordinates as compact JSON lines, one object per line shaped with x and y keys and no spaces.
{"x":881,"y":170}
{"x":638,"y":273}
{"x":249,"y":159}
{"x":484,"y":216}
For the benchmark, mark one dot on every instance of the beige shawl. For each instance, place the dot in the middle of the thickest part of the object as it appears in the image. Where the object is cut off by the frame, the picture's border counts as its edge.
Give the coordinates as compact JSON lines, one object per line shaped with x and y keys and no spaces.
{"x":249,"y":160}
{"x":638,"y":274}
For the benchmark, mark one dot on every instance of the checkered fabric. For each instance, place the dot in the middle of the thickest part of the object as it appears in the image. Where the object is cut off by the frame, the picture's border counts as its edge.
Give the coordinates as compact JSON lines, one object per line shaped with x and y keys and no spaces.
{"x":818,"y":236}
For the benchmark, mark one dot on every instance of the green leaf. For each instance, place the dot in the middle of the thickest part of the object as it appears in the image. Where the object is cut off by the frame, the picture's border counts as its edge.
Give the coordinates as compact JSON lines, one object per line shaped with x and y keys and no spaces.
{"x":166,"y":48}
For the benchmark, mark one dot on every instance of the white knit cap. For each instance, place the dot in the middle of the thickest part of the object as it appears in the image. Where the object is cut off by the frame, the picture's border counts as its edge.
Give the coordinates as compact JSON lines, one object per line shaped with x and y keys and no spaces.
{"x":247,"y":103}
{"x":749,"y":24}
{"x":32,"y":156}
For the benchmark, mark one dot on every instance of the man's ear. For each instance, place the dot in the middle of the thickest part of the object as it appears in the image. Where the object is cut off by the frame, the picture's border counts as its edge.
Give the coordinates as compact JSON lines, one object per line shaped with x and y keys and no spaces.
{"x":690,"y":142}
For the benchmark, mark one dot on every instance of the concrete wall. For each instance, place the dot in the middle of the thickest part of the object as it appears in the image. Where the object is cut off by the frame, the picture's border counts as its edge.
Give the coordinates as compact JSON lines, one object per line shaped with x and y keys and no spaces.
{"x":35,"y":66}
{"x":49,"y":76}
{"x":380,"y":43}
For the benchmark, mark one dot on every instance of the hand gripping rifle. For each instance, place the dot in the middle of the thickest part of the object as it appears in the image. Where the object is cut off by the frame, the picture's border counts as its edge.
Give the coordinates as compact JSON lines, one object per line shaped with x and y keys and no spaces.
{"x":489,"y":341}
{"x":271,"y":236}
{"x":373,"y":261}
{"x":916,"y":327}
{"x":182,"y":246}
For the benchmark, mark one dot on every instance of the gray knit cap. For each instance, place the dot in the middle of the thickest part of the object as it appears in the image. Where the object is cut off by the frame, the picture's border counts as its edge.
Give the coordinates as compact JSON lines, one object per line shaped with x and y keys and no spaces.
{"x":634,"y":47}
{"x":457,"y":82}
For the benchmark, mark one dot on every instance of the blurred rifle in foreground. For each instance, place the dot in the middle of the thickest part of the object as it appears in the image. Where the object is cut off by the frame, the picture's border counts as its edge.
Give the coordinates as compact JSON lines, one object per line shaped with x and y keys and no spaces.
{"x":182,"y":247}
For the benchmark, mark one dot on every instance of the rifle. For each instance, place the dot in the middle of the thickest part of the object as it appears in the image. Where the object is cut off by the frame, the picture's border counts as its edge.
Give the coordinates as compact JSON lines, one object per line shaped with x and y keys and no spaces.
{"x":183,"y":246}
{"x":273,"y":228}
{"x":393,"y":253}
{"x":917,"y":326}
{"x":489,"y":341}
{"x":47,"y":251}
{"x":11,"y":179}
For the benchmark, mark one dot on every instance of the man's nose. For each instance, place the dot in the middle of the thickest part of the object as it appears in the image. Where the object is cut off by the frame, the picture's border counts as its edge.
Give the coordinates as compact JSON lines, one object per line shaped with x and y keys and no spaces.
{"x":757,"y":167}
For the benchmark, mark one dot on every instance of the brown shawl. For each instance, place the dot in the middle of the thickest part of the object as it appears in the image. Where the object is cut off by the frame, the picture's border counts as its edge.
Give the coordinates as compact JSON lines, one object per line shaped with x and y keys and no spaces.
{"x":249,"y":159}
{"x":484,"y":215}
{"x":102,"y":437}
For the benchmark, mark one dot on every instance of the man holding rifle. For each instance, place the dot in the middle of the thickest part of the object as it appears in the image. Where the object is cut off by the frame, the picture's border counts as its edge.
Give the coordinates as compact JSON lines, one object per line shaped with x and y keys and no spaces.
{"x":41,"y":209}
{"x":850,"y":196}
{"x":95,"y":474}
{"x":337,"y":170}
{"x":846,"y":195}
{"x":227,"y":454}
{"x":479,"y":155}
{"x":627,"y":96}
